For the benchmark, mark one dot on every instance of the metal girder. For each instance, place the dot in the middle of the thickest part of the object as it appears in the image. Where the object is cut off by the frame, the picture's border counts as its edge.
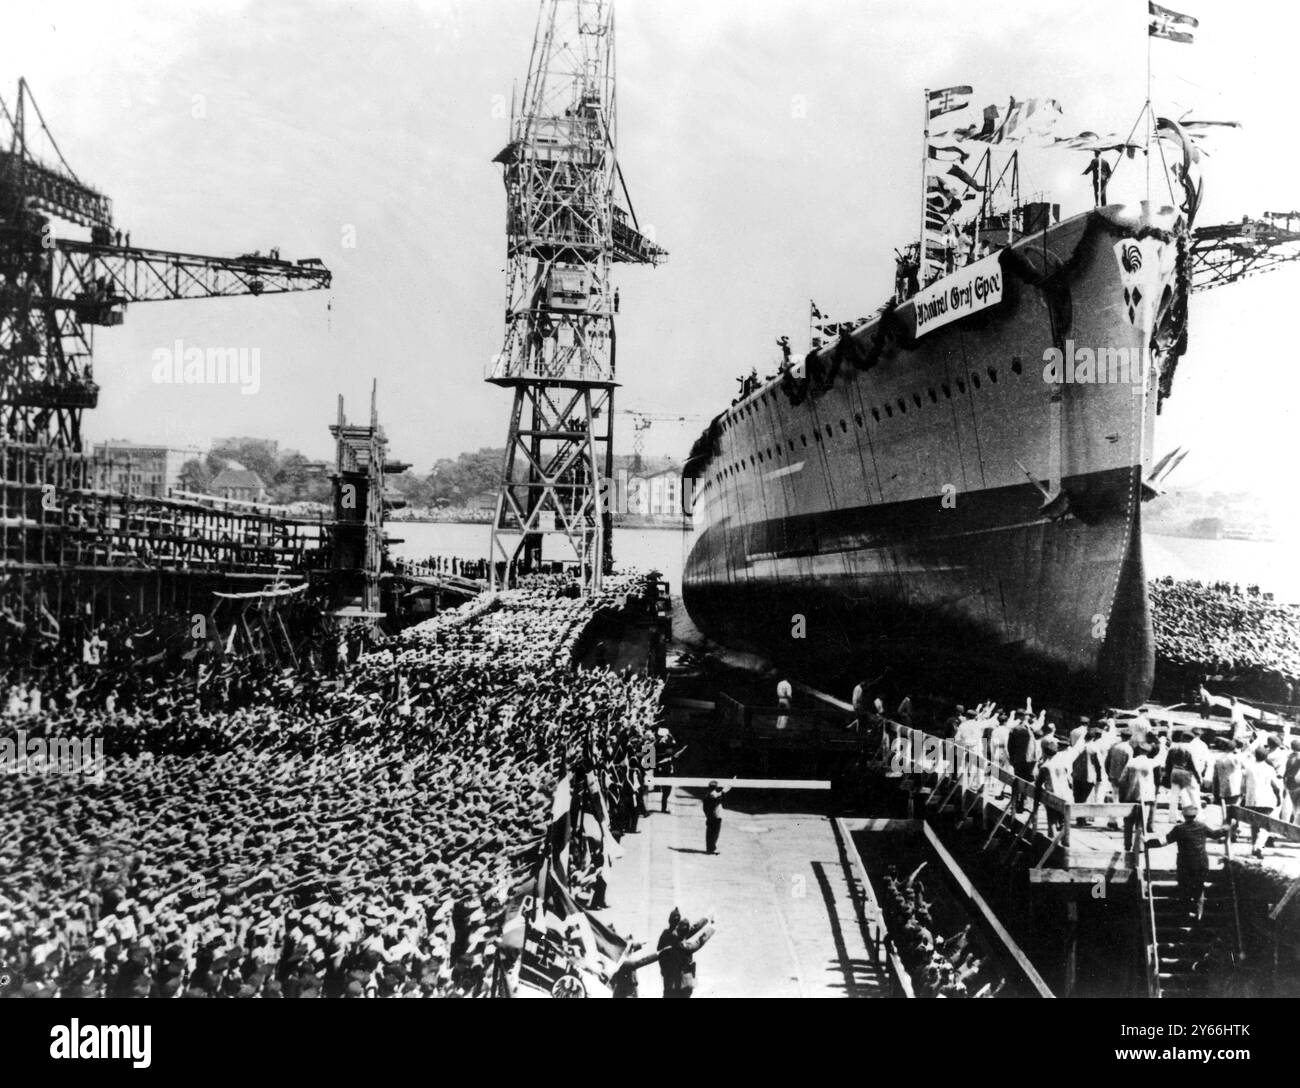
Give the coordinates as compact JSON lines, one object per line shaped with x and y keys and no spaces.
{"x":1233,"y":251}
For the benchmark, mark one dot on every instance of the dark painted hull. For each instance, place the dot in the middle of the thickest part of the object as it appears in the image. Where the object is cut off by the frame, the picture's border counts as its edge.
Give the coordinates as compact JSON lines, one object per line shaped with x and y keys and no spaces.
{"x":834,"y":535}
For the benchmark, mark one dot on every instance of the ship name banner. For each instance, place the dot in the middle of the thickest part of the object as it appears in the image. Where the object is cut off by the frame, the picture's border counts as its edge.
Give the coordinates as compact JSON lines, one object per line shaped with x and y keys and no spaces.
{"x":968,"y":290}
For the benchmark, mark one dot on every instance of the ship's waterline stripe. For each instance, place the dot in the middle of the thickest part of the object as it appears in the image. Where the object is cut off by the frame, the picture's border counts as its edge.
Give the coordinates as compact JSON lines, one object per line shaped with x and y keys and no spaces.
{"x":867,"y":546}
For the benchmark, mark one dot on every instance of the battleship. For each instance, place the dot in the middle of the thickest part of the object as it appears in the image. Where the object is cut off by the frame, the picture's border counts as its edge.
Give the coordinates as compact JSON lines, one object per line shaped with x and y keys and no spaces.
{"x":957,"y":483}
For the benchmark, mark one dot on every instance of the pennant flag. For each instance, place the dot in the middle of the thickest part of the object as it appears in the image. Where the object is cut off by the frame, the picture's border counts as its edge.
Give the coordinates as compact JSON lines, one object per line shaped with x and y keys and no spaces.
{"x":985,"y":132}
{"x":948,"y":154}
{"x":816,"y":313}
{"x":1032,"y":117}
{"x":948,"y":100}
{"x":961,"y":175}
{"x":557,"y":834}
{"x":1090,"y":141}
{"x":1171,"y":25}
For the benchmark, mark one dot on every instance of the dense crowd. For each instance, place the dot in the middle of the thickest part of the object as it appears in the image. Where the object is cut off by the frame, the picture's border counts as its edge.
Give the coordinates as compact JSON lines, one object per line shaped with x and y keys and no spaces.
{"x":1217,"y":628}
{"x":951,"y":967}
{"x":1103,"y":761}
{"x":298,"y":834}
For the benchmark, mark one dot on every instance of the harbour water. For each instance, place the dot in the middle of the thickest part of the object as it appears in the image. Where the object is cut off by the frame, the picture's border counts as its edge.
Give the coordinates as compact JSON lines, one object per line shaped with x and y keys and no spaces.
{"x":1268,"y":564}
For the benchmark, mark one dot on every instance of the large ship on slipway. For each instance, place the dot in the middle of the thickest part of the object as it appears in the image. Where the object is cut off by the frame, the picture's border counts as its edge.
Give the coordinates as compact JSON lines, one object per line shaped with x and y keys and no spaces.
{"x":956,"y":484}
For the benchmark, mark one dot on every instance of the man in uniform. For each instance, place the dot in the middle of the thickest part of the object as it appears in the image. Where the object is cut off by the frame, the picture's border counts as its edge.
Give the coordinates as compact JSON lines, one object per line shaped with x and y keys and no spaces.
{"x":665,"y":763}
{"x":677,"y":955}
{"x":1193,"y":860}
{"x":713,"y":816}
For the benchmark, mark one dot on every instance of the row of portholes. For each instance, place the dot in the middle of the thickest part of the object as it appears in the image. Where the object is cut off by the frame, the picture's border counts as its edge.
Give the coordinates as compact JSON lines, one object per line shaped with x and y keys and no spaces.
{"x":770,"y":454}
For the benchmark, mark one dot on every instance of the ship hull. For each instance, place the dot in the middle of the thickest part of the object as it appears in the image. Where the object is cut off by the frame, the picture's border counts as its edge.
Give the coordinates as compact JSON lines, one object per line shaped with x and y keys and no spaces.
{"x":936,"y":502}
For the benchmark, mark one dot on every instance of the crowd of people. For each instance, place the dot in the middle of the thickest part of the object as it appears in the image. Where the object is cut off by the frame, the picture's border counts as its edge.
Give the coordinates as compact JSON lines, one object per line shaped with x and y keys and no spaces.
{"x":950,"y":967}
{"x":1218,"y":628}
{"x":292,"y":833}
{"x":1102,"y":761}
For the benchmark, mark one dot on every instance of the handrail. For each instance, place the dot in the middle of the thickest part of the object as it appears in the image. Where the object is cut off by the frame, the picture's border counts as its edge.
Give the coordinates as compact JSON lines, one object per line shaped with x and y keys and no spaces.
{"x":1229,"y":832}
{"x":1150,"y":946}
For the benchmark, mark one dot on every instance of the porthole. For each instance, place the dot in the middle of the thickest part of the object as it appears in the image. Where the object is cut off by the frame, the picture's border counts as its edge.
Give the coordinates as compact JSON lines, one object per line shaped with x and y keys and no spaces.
{"x":961,"y":386}
{"x":947,"y":391}
{"x":902,"y":405}
{"x":889,"y":411}
{"x":1015,"y":364}
{"x":875,"y":412}
{"x":844,"y":427}
{"x":974,"y":379}
{"x":916,"y":399}
{"x":934,"y":397}
{"x":804,"y":439}
{"x":857,"y":418}
{"x":830,"y":431}
{"x":993,"y":375}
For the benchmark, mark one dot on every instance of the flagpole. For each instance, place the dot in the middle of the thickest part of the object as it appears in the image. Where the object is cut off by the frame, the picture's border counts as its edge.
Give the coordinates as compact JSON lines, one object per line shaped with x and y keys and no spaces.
{"x":1150,"y":119}
{"x":925,"y":165}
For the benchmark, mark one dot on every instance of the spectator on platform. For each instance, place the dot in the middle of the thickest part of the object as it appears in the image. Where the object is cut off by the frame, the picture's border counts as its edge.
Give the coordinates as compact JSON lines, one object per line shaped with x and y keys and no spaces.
{"x":1262,"y":794}
{"x":1139,"y":787}
{"x":1022,"y":751}
{"x":1229,"y":779}
{"x":1087,"y":771}
{"x":1117,"y":760}
{"x":1184,"y":780}
{"x":1200,"y":753}
{"x":1055,"y":774}
{"x":1291,"y":780}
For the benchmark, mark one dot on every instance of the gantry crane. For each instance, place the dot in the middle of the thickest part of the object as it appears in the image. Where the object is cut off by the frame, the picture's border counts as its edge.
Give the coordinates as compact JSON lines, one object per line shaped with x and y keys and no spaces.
{"x":1233,"y":251}
{"x":564,"y":232}
{"x":54,"y":290}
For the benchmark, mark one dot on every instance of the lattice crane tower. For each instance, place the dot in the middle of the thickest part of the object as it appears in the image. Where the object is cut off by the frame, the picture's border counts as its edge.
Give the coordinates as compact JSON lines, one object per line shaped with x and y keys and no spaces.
{"x":564,"y":231}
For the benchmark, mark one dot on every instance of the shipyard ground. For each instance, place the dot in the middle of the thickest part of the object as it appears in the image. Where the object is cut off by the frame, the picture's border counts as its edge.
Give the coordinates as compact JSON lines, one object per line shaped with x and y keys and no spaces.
{"x":779,"y":888}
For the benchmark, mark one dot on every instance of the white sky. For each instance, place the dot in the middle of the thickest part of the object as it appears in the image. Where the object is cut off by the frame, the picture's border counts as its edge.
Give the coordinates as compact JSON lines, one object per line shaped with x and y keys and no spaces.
{"x":381,"y":115}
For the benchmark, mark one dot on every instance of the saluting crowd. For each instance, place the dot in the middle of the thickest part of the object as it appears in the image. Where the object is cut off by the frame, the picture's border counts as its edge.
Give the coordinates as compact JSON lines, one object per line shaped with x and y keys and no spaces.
{"x":1102,"y":761}
{"x":1221,"y":628}
{"x":268,"y":833}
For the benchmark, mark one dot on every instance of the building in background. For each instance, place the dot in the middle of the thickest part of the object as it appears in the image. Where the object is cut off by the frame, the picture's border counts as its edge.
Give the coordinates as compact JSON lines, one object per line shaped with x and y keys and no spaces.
{"x":269,"y":447}
{"x":131,"y":469}
{"x":238,"y":483}
{"x":665,"y":493}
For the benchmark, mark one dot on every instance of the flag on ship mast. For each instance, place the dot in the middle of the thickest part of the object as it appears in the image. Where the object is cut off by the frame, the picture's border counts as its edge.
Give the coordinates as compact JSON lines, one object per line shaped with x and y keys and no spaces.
{"x":1024,"y":118}
{"x":949,"y":99}
{"x":1171,"y":25}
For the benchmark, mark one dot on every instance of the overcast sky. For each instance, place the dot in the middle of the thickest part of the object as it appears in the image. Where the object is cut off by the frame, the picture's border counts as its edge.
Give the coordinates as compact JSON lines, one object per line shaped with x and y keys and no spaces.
{"x":774,"y":147}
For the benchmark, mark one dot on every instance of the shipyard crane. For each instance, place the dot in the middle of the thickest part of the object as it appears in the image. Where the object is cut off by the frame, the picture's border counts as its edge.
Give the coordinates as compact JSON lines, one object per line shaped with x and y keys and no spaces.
{"x":565,"y":229}
{"x":642,"y":422}
{"x":54,"y":290}
{"x":1233,"y":251}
